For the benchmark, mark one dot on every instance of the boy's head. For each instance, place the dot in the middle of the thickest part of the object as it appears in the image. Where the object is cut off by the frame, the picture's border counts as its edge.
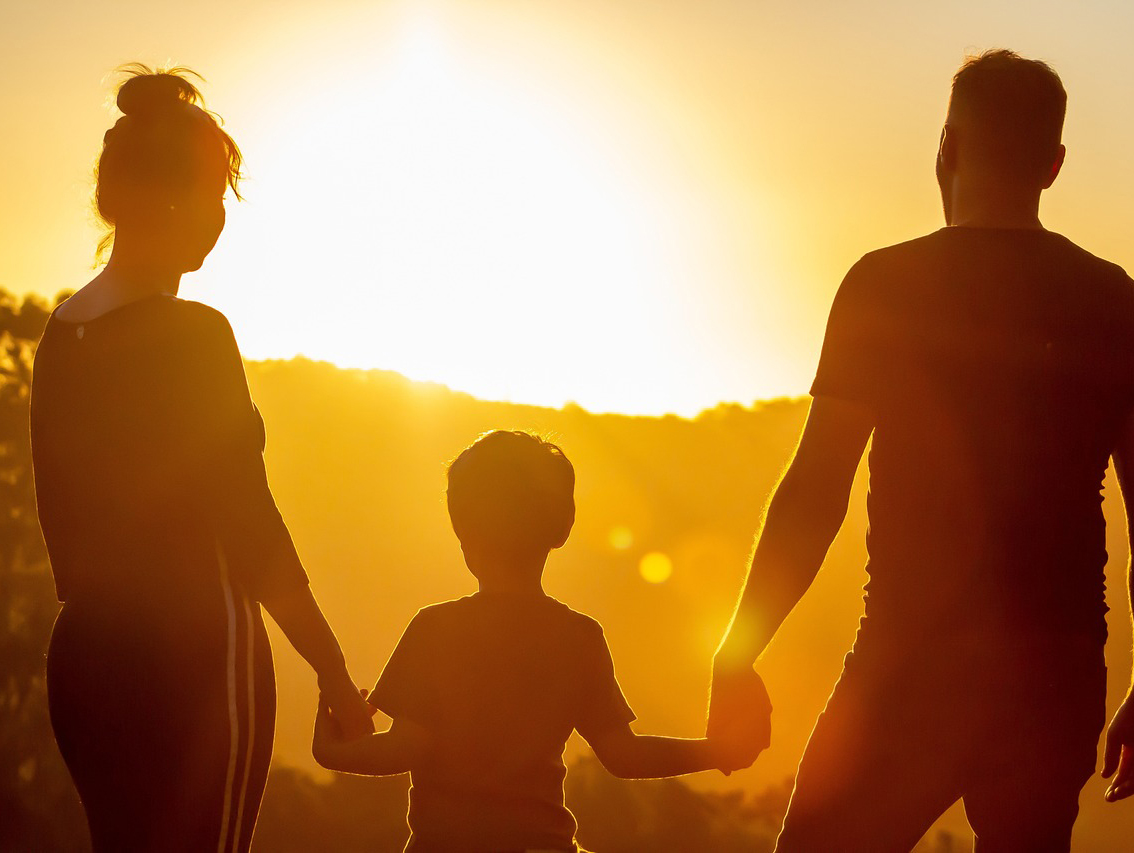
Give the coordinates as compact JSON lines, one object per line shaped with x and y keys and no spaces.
{"x":511,"y":495}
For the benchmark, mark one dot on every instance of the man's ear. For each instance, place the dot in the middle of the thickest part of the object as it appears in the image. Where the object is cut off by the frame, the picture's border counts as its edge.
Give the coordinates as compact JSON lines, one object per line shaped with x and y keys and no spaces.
{"x":947,"y":150}
{"x":1056,"y":165}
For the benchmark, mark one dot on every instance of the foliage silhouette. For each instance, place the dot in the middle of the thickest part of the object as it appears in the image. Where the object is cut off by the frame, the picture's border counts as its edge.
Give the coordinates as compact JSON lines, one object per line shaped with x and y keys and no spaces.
{"x":39,"y":807}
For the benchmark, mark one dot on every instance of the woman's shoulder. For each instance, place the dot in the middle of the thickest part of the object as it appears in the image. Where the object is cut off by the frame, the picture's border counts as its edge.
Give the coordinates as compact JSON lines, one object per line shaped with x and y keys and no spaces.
{"x":193,"y":314}
{"x":184,"y":323}
{"x":161,"y":309}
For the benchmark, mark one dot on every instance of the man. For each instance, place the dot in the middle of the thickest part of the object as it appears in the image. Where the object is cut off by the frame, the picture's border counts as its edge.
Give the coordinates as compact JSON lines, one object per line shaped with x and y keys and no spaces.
{"x":993,"y":361}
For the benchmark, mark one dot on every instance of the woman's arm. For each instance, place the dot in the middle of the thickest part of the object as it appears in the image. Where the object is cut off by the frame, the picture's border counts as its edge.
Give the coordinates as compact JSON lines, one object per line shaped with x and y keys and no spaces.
{"x":228,"y":462}
{"x":299,"y":617}
{"x":386,"y":753}
{"x":628,"y":755}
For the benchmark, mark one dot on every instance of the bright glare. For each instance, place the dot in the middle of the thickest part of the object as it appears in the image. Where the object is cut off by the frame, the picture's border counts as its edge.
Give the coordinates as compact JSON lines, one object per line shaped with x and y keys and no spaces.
{"x":621,"y":537}
{"x":655,"y":567}
{"x":437,"y":217}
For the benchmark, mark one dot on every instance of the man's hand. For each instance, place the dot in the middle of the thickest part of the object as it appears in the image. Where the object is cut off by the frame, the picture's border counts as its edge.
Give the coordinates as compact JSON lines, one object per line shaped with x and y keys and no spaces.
{"x":1118,"y":753}
{"x":740,"y":716}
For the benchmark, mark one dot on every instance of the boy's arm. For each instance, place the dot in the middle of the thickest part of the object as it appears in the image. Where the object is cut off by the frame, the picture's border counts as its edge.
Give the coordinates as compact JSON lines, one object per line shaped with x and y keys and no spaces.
{"x":386,"y":753}
{"x":633,"y":756}
{"x":1118,"y":753}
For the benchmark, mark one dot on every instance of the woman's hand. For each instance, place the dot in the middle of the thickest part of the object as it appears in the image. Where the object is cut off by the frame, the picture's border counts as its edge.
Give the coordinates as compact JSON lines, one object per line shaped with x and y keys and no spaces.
{"x":347,"y":706}
{"x":298,"y":615}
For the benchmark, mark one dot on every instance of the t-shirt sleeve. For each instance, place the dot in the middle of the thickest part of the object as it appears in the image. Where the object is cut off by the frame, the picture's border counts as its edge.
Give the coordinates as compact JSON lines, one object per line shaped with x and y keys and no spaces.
{"x":1127,"y":368}
{"x":255,"y":543}
{"x":855,"y":354}
{"x":601,"y":704}
{"x":403,"y":689}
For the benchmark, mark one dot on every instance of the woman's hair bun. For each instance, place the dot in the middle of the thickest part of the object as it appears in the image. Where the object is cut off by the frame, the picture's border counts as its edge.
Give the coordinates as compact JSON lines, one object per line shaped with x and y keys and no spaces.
{"x":149,"y":93}
{"x":164,"y":145}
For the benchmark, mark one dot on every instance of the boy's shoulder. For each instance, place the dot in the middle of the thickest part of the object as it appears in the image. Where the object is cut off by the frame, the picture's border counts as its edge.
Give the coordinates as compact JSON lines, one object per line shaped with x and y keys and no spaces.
{"x":548,"y":610}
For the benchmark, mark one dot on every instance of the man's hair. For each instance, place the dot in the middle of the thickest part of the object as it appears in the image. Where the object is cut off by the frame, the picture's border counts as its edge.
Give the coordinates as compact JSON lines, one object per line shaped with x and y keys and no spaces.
{"x":1015,"y":109}
{"x":512,"y":492}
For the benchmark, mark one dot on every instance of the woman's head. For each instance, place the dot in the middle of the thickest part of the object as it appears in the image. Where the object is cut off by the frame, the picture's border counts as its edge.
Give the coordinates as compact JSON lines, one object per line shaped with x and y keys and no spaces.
{"x":165,"y":166}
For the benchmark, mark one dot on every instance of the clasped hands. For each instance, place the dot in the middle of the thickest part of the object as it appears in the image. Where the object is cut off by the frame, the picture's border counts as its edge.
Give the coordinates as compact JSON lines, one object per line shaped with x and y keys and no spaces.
{"x":347,"y":703}
{"x":740,"y":716}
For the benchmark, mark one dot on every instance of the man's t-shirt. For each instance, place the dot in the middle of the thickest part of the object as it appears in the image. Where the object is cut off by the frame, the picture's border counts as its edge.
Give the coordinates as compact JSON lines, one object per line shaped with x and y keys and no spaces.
{"x":999,"y":365}
{"x":500,"y":681}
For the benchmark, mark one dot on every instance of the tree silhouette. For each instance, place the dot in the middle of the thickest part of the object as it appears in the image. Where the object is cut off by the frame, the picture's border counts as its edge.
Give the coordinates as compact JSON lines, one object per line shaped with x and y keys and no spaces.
{"x":39,"y":806}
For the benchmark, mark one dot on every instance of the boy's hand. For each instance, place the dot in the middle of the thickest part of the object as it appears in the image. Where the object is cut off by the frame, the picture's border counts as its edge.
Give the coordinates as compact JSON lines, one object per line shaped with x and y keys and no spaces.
{"x":327,"y":734}
{"x":1119,"y":752}
{"x":740,"y":717}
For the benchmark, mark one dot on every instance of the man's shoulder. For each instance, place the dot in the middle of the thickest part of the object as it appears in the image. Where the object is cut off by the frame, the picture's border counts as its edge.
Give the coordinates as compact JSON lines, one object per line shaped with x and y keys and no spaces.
{"x":938,"y":249}
{"x":1103,"y":268}
{"x":916,"y":249}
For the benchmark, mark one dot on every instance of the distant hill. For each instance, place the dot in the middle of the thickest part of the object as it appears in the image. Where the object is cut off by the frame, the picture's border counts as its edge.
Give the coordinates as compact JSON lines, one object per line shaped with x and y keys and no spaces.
{"x":356,"y":461}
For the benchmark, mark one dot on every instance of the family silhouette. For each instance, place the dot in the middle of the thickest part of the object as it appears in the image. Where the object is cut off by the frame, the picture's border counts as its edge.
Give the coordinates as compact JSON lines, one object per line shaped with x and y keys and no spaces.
{"x":988,"y":365}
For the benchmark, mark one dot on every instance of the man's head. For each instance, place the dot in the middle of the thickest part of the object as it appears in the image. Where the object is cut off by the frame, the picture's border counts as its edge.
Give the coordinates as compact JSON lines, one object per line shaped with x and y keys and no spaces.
{"x":1004,"y":123}
{"x":511,"y":497}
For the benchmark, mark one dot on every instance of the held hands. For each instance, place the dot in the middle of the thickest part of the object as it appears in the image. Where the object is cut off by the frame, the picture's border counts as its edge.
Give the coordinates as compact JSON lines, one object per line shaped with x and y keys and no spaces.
{"x":329,"y":733}
{"x":1118,"y":753}
{"x":347,"y":705}
{"x":740,"y":717}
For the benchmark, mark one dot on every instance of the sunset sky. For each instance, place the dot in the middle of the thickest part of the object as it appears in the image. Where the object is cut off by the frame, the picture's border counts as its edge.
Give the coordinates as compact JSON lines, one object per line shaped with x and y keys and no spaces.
{"x":641,"y":206}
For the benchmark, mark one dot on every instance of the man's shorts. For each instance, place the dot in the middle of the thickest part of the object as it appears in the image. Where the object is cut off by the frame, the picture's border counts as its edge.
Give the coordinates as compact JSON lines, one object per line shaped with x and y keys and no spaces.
{"x":1011,"y":730}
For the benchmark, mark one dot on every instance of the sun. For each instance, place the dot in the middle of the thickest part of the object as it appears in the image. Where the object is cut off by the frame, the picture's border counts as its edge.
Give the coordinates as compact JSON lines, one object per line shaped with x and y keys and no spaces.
{"x":429,"y":213}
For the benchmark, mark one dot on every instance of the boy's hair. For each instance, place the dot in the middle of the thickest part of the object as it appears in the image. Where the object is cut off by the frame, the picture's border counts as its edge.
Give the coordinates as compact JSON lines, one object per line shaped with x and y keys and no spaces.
{"x":511,"y":492}
{"x":1015,"y":106}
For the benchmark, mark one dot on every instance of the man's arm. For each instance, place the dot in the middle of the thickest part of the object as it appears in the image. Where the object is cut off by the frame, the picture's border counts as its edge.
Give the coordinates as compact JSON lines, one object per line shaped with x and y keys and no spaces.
{"x":804,"y":515}
{"x":1119,"y":751}
{"x":801,"y":521}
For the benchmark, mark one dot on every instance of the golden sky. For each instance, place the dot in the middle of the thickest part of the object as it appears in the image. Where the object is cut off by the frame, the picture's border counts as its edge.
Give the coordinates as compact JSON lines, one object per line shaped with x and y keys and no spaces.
{"x":640,"y":206}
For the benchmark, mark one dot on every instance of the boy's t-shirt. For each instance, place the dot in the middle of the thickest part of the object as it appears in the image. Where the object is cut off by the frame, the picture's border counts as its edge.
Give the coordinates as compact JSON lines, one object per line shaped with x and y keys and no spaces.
{"x":500,"y":681}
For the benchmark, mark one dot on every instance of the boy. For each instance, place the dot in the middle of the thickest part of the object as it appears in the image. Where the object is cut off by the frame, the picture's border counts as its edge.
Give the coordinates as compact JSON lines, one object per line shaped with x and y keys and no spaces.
{"x":484,"y":691}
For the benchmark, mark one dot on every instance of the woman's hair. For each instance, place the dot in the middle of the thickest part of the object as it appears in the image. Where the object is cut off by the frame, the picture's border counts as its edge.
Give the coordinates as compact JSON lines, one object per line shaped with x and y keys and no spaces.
{"x":512,"y":492}
{"x":163,"y":145}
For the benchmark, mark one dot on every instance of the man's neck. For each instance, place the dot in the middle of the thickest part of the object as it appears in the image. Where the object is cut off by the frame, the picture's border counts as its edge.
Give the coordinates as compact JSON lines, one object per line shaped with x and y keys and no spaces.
{"x":984,"y":207}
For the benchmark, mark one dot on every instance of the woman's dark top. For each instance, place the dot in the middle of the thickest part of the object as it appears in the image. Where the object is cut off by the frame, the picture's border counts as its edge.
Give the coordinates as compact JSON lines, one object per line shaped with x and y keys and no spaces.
{"x":163,"y":536}
{"x":148,"y":452}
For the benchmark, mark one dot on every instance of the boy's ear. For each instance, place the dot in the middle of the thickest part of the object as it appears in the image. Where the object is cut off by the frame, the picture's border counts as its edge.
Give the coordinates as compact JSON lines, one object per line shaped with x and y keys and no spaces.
{"x":561,"y":540}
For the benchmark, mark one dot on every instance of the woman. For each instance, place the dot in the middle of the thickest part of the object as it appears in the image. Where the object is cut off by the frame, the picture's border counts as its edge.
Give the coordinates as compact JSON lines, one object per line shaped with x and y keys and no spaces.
{"x":163,"y":536}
